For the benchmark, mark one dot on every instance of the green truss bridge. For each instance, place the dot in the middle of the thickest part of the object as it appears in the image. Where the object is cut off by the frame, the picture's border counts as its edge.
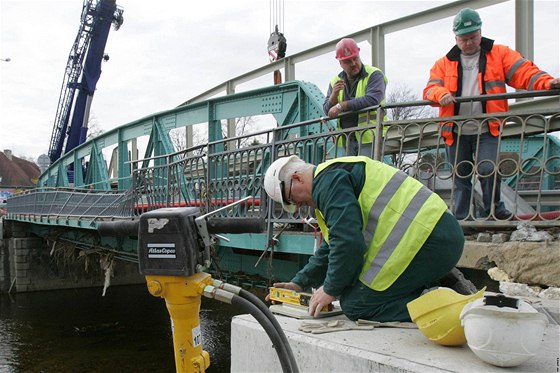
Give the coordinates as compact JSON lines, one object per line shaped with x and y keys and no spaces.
{"x":137,"y":168}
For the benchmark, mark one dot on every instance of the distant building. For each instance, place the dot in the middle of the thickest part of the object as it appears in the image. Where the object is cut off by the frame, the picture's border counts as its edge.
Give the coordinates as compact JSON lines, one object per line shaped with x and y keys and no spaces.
{"x":16,"y":174}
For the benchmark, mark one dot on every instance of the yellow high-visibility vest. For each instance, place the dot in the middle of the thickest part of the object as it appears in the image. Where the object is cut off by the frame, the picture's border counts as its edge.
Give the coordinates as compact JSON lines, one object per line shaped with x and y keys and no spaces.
{"x":398,"y":212}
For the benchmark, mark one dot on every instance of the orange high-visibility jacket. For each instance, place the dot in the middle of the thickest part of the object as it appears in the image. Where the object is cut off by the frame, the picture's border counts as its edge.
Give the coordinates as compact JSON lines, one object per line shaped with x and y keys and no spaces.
{"x":498,"y":65}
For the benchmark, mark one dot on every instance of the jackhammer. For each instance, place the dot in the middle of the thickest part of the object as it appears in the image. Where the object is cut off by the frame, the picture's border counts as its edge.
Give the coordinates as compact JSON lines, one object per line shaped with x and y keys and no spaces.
{"x":173,"y":253}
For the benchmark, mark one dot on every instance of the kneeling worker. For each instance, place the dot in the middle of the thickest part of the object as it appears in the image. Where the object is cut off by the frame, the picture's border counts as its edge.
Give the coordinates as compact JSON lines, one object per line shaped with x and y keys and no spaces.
{"x":387,"y":238}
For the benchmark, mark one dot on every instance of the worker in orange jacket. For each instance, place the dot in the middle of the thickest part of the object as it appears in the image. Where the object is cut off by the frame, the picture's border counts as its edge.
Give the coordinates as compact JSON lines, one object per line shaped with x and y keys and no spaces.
{"x":476,"y":66}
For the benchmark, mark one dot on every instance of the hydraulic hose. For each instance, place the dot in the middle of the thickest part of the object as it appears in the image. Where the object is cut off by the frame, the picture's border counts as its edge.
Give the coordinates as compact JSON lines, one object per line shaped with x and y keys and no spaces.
{"x":263,"y":320}
{"x":118,"y":228}
{"x":235,"y":225}
{"x":272,"y":333}
{"x":264,"y":309}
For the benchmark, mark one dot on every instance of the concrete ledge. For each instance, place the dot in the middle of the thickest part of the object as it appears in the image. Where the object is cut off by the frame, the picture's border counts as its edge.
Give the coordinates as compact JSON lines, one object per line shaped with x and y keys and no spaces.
{"x":381,"y":349}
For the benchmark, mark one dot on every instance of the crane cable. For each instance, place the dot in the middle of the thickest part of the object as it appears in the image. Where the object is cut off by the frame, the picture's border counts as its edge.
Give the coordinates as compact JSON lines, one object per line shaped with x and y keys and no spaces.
{"x":276,"y":42}
{"x":276,"y":15}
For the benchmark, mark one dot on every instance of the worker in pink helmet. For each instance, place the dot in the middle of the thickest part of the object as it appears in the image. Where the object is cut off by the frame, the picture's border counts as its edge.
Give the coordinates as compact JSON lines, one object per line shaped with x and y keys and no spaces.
{"x":357,"y":86}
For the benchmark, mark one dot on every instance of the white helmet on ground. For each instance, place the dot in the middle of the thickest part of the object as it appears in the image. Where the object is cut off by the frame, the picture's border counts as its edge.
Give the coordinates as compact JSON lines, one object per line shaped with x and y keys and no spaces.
{"x":503,"y":331}
{"x":273,"y":184}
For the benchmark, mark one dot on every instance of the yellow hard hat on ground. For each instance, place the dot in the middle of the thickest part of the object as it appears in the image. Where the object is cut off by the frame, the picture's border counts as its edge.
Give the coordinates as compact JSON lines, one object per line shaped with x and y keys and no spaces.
{"x":437,"y":312}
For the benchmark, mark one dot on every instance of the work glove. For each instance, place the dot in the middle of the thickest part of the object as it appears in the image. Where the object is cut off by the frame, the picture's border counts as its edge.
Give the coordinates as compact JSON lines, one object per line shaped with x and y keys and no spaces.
{"x":340,"y":325}
{"x":331,"y":326}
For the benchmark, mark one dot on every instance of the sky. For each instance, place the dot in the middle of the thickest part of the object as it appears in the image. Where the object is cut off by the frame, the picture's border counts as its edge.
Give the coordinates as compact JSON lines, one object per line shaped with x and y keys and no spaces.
{"x":169,"y":51}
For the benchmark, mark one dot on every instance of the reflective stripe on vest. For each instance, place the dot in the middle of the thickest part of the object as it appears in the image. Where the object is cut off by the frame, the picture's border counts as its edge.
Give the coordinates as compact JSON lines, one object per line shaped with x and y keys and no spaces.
{"x":400,"y":227}
{"x":391,"y":203}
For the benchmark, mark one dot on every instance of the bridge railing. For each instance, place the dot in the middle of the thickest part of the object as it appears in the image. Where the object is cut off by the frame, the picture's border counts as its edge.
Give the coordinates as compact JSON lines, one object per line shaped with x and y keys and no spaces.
{"x":212,"y":176}
{"x":70,"y":207}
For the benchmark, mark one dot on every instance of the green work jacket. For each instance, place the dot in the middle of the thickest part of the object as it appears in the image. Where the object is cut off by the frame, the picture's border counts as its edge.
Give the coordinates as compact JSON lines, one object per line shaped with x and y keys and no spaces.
{"x":398,"y":213}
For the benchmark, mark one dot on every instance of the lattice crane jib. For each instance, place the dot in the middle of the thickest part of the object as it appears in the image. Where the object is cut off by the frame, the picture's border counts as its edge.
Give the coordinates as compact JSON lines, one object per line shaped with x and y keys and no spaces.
{"x":81,"y":74}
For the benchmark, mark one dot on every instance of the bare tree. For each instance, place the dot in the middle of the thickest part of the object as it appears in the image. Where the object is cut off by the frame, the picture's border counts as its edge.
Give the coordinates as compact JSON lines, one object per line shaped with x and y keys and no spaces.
{"x":243,"y":126}
{"x":404,"y":94}
{"x":93,"y":128}
{"x":178,"y":138}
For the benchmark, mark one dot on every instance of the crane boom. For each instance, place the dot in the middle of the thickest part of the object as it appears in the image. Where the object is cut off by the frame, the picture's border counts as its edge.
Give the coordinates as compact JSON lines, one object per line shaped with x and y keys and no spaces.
{"x":89,"y":45}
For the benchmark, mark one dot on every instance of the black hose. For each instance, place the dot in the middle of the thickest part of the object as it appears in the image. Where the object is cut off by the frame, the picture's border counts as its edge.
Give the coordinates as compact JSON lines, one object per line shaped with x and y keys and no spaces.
{"x":269,"y":329}
{"x":118,"y":228}
{"x":235,"y":225}
{"x":264,"y":309}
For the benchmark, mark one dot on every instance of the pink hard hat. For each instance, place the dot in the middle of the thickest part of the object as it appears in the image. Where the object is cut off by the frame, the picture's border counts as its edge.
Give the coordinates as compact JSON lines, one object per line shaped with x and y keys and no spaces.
{"x":346,"y":48}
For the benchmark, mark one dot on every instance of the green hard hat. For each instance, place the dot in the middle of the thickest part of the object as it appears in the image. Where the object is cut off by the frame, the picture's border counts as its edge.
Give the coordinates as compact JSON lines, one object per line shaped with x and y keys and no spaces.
{"x":466,"y":21}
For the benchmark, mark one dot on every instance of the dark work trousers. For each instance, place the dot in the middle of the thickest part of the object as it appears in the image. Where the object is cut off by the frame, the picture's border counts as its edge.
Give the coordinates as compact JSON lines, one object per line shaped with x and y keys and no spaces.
{"x":439,"y":254}
{"x":466,"y":151}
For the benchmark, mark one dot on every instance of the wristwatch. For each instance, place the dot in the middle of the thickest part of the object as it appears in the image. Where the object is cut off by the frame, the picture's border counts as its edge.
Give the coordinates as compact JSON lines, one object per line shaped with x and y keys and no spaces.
{"x":339,"y":107}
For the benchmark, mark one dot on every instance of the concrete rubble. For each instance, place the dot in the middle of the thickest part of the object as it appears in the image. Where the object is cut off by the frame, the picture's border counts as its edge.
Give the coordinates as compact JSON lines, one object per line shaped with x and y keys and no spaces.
{"x":530,"y":257}
{"x":527,"y":232}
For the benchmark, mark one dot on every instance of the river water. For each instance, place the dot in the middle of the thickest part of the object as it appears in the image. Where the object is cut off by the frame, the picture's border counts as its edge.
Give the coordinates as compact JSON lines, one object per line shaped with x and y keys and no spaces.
{"x":127,"y":330}
{"x":78,"y":330}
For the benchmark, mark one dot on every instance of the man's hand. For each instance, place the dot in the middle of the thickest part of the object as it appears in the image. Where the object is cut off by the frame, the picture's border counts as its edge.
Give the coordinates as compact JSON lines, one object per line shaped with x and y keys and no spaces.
{"x":337,"y":87}
{"x":319,"y":299}
{"x":554,"y":83}
{"x":334,"y":111}
{"x":447,"y":99}
{"x":285,"y":285}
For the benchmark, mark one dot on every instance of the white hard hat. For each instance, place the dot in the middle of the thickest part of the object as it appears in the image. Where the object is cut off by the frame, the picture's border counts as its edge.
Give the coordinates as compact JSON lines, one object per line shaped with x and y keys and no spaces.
{"x":272,"y":182}
{"x":503,"y":331}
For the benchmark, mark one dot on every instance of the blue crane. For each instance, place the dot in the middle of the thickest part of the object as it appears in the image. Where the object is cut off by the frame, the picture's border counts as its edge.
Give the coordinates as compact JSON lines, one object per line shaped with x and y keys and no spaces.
{"x":81,"y":75}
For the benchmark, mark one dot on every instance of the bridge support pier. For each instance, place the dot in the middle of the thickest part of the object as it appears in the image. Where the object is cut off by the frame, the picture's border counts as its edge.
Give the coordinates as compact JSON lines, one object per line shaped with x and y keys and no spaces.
{"x":33,"y":264}
{"x":18,"y":276}
{"x":5,"y":266}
